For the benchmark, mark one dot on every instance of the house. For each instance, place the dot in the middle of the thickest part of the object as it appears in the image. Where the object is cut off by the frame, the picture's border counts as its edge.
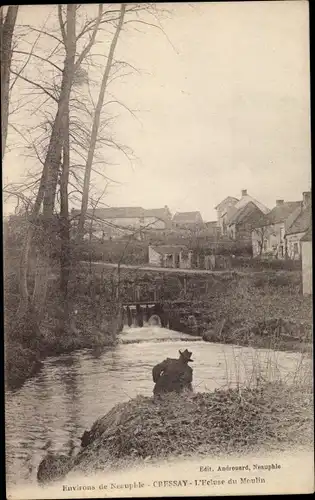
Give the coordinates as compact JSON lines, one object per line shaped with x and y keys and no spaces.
{"x":307,"y":266}
{"x":229,"y":207}
{"x":157,"y":218}
{"x":186,"y":220}
{"x":241,"y":223}
{"x":222,"y":209}
{"x":211,"y":228}
{"x":116,"y":222}
{"x":176,"y":256}
{"x":268,"y":234}
{"x":299,"y":227}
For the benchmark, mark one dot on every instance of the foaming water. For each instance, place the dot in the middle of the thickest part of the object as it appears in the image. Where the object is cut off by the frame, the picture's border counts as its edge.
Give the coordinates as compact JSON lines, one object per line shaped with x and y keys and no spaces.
{"x":152,"y":334}
{"x":73,"y":390}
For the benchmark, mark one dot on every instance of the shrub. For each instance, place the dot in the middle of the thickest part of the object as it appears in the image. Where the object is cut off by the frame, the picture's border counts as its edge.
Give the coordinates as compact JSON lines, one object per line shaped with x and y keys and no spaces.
{"x":20,"y":364}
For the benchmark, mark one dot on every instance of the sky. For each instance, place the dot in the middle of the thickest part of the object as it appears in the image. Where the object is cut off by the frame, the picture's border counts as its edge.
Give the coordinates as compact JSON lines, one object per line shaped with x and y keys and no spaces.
{"x":222,"y":100}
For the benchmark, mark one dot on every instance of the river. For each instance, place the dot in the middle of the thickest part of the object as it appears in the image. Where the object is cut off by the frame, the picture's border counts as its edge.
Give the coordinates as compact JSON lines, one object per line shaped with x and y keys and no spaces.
{"x":72,"y":391}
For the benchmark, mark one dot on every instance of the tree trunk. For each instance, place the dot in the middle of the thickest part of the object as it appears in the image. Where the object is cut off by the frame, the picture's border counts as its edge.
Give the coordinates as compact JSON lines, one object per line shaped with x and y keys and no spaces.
{"x":40,"y":286}
{"x":96,"y":123}
{"x":48,"y":183}
{"x":25,"y":254}
{"x":65,"y":260}
{"x":7,"y":30}
{"x":53,"y":157}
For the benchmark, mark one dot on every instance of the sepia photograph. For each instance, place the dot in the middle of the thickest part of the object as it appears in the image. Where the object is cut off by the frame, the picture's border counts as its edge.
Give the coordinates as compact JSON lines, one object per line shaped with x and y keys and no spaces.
{"x":157,"y":222}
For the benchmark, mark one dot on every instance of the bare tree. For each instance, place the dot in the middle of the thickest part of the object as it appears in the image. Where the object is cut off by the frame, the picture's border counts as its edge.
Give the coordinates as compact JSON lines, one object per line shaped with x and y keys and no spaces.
{"x":7,"y":30}
{"x":96,"y":121}
{"x":46,"y":192}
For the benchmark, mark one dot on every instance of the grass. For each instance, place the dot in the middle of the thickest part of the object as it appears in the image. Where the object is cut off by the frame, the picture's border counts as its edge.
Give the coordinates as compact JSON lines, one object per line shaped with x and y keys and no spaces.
{"x":255,"y":368}
{"x":265,"y":410}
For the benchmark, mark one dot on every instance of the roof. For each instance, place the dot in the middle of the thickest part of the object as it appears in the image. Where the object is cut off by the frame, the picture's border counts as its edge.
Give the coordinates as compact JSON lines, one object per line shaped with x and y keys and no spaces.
{"x":187,"y":217}
{"x":125,"y":212}
{"x":301,"y":223}
{"x":279,"y":213}
{"x":249,"y":212}
{"x":113,"y":212}
{"x":249,"y":199}
{"x":211,"y":223}
{"x":169,"y":249}
{"x":159,"y":213}
{"x":282,"y":212}
{"x":223,"y":202}
{"x":308,"y":235}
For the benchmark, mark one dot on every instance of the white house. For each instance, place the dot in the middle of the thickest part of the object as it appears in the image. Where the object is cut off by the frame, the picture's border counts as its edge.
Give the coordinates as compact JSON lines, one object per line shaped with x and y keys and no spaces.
{"x":186,"y":220}
{"x":222,"y":209}
{"x":176,"y":256}
{"x":268,"y":236}
{"x":307,"y":265}
{"x":115,"y":222}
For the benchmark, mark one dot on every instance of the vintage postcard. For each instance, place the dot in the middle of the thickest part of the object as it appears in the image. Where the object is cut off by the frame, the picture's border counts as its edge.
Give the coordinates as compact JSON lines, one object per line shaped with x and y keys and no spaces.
{"x":157,"y":226}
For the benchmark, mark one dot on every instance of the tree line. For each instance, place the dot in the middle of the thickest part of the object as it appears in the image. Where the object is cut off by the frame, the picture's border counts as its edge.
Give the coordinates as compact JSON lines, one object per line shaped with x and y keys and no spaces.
{"x":55,"y":81}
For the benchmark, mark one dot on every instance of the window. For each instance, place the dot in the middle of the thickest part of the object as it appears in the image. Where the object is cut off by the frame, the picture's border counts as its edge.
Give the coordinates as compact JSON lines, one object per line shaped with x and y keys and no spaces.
{"x":265,"y":245}
{"x":296,"y":248}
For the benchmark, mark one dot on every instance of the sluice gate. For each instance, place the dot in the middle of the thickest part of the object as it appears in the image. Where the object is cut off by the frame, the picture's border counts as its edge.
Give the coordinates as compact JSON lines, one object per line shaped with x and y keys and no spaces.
{"x":139,"y":314}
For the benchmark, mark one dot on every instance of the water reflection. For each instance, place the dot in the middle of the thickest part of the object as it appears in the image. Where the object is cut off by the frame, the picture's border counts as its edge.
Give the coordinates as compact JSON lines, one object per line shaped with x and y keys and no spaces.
{"x":71,"y":391}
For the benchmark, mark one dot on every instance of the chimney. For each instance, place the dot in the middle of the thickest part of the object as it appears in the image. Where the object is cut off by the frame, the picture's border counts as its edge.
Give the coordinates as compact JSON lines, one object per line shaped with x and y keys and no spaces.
{"x":279,"y":203}
{"x":307,"y":199}
{"x":244,"y":192}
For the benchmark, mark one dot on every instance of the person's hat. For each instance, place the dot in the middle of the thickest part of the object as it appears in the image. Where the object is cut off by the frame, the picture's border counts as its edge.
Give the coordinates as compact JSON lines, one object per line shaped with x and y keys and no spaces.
{"x":186,"y":355}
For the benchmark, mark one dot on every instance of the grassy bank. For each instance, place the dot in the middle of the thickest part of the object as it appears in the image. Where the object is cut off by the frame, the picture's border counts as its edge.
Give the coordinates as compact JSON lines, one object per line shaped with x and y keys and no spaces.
{"x":20,"y":364}
{"x":92,"y":325}
{"x":23,"y":362}
{"x":268,"y":410}
{"x":271,"y":417}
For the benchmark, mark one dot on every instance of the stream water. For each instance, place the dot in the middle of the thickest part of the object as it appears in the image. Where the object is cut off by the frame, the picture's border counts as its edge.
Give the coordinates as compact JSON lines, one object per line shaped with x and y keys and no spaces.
{"x":72,"y":391}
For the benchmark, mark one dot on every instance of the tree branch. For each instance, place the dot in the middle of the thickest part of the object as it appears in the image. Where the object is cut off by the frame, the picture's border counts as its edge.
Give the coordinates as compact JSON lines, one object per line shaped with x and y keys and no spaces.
{"x":62,"y":25}
{"x":36,"y":85}
{"x":87,"y":49}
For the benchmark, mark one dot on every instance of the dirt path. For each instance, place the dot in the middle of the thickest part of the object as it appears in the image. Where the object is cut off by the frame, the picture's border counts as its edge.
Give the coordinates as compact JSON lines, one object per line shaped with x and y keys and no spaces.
{"x":166,"y":269}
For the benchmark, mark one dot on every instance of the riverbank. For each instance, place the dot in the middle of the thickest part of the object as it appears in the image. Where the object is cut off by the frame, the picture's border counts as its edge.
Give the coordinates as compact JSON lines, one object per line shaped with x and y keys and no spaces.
{"x":20,"y":364}
{"x":24,"y":354}
{"x":277,"y":334}
{"x":244,"y":302}
{"x":272,"y":417}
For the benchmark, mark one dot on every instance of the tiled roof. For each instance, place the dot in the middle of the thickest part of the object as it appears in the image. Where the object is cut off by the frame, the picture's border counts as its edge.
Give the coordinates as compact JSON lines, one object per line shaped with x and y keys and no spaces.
{"x":125,"y":212}
{"x":169,"y":249}
{"x":159,"y":213}
{"x":228,"y":198}
{"x":250,"y":213}
{"x":113,"y":212}
{"x":279,"y":214}
{"x":301,"y":223}
{"x":249,"y":199}
{"x":187,"y":217}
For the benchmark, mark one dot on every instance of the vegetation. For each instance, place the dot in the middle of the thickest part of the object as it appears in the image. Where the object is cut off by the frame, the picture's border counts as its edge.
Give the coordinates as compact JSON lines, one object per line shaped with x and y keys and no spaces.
{"x":240,"y":418}
{"x":63,"y":134}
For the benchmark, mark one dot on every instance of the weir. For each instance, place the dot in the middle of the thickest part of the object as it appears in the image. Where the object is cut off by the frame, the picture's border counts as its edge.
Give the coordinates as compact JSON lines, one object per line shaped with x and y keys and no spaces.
{"x":140,"y":314}
{"x":145,"y":303}
{"x":165,"y":315}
